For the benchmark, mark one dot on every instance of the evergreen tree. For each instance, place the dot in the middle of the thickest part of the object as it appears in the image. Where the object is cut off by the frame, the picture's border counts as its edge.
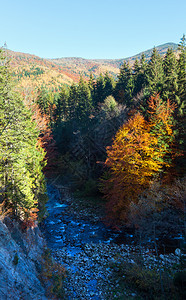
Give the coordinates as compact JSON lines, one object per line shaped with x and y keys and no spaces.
{"x":155,"y":74}
{"x":160,"y":115}
{"x":100,"y":90}
{"x":84,"y":102}
{"x":108,"y":85}
{"x":125,"y":85}
{"x":180,"y":109}
{"x":72,"y":101}
{"x":62,"y":107}
{"x":21,"y":158}
{"x":140,"y":68}
{"x":182,"y":76}
{"x":170,"y":86}
{"x":136,"y":71}
{"x":43,"y":100}
{"x":92,"y":87}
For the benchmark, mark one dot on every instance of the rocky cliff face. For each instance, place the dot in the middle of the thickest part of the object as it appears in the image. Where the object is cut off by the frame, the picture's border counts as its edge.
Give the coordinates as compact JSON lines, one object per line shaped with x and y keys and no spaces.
{"x":20,"y":262}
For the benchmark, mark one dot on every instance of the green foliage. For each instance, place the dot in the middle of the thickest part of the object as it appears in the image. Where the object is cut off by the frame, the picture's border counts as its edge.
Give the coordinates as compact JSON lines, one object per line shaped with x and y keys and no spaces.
{"x":155,"y":74}
{"x":21,"y":158}
{"x":99,"y":90}
{"x":84,"y":103}
{"x":125,"y":85}
{"x":182,"y":76}
{"x":170,"y":87}
{"x":109,"y":107}
{"x":88,"y":117}
{"x":139,"y":73}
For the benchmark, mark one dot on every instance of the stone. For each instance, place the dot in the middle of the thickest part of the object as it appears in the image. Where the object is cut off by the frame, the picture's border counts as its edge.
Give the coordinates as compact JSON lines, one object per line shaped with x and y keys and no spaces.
{"x":19,"y":272}
{"x":178,"y":252}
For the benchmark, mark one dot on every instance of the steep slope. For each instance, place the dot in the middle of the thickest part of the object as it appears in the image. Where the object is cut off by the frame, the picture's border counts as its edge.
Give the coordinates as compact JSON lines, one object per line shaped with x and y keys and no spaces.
{"x":31,"y":70}
{"x":20,"y":260}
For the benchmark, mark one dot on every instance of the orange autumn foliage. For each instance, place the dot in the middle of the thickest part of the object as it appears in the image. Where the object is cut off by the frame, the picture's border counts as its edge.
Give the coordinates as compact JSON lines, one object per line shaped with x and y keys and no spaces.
{"x":45,"y":139}
{"x":134,"y":159}
{"x":161,"y":112}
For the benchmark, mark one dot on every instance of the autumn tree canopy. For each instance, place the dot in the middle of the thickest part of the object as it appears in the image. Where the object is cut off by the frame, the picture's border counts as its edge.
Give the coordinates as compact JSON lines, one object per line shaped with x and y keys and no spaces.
{"x":136,"y":157}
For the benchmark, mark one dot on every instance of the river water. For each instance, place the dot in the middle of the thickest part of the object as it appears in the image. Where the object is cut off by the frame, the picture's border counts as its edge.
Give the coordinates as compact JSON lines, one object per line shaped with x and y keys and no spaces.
{"x":81,"y":246}
{"x":63,"y":230}
{"x":85,"y":248}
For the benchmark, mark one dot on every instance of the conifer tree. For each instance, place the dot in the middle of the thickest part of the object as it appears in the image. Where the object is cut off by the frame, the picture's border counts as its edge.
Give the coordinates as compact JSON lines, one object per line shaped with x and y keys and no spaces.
{"x":84,"y":102}
{"x":140,"y":68}
{"x":180,"y":109}
{"x":72,"y":101}
{"x":108,"y":85}
{"x":155,"y":74}
{"x":161,"y":124}
{"x":43,"y":100}
{"x":125,"y":85}
{"x":170,"y":86}
{"x":182,"y":76}
{"x":62,"y":107}
{"x":92,"y":87}
{"x":100,"y":90}
{"x":136,"y":71}
{"x":21,"y":158}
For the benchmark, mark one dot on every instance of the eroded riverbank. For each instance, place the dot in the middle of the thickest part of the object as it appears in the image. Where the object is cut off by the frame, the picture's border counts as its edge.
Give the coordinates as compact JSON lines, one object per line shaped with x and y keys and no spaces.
{"x":88,"y":251}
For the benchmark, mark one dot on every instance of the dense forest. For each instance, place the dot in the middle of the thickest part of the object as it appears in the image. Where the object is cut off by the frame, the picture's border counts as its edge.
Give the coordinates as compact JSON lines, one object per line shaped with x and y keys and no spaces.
{"x":119,"y":138}
{"x":123,"y":138}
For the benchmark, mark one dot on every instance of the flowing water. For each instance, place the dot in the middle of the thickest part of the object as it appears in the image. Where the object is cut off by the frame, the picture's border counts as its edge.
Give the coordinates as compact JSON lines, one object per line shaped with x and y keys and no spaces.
{"x":63,"y":230}
{"x":72,"y":240}
{"x":68,"y":238}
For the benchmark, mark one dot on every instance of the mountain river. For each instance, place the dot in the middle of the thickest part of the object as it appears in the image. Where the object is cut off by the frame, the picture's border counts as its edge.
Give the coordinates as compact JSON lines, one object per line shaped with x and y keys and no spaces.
{"x":87,"y":249}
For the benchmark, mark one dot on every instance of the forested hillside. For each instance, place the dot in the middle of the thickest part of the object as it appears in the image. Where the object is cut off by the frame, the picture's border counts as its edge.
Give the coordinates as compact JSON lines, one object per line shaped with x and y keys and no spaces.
{"x":31,"y":70}
{"x":125,"y":136}
{"x":21,"y":153}
{"x":114,"y":131}
{"x":78,"y":124}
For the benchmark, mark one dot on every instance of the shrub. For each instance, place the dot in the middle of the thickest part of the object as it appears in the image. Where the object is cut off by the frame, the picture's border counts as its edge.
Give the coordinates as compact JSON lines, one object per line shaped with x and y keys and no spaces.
{"x":53,"y":276}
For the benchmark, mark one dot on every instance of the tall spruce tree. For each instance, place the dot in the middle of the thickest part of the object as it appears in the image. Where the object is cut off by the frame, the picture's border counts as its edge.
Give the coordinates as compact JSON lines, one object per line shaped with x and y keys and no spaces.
{"x":62,"y":107}
{"x":140,"y":68}
{"x":108,"y":85}
{"x":84,"y":103}
{"x":72,"y":101}
{"x":182,"y":76}
{"x":155,"y":74}
{"x":180,"y":110}
{"x":100,"y":90}
{"x":21,"y":158}
{"x":124,"y":85}
{"x":170,"y":87}
{"x":92,"y":87}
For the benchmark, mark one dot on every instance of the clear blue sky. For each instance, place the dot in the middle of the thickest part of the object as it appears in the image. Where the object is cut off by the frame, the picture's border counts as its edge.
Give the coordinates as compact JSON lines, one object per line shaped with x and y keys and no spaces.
{"x":90,"y":29}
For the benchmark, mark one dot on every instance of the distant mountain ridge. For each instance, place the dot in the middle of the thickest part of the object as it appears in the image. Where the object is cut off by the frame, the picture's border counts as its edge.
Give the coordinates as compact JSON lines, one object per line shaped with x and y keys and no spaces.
{"x":162,"y":49}
{"x":31,"y":70}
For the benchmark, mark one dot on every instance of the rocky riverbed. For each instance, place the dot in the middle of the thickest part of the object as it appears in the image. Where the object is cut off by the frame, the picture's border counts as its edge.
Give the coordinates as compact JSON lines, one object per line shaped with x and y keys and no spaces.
{"x":89,"y":251}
